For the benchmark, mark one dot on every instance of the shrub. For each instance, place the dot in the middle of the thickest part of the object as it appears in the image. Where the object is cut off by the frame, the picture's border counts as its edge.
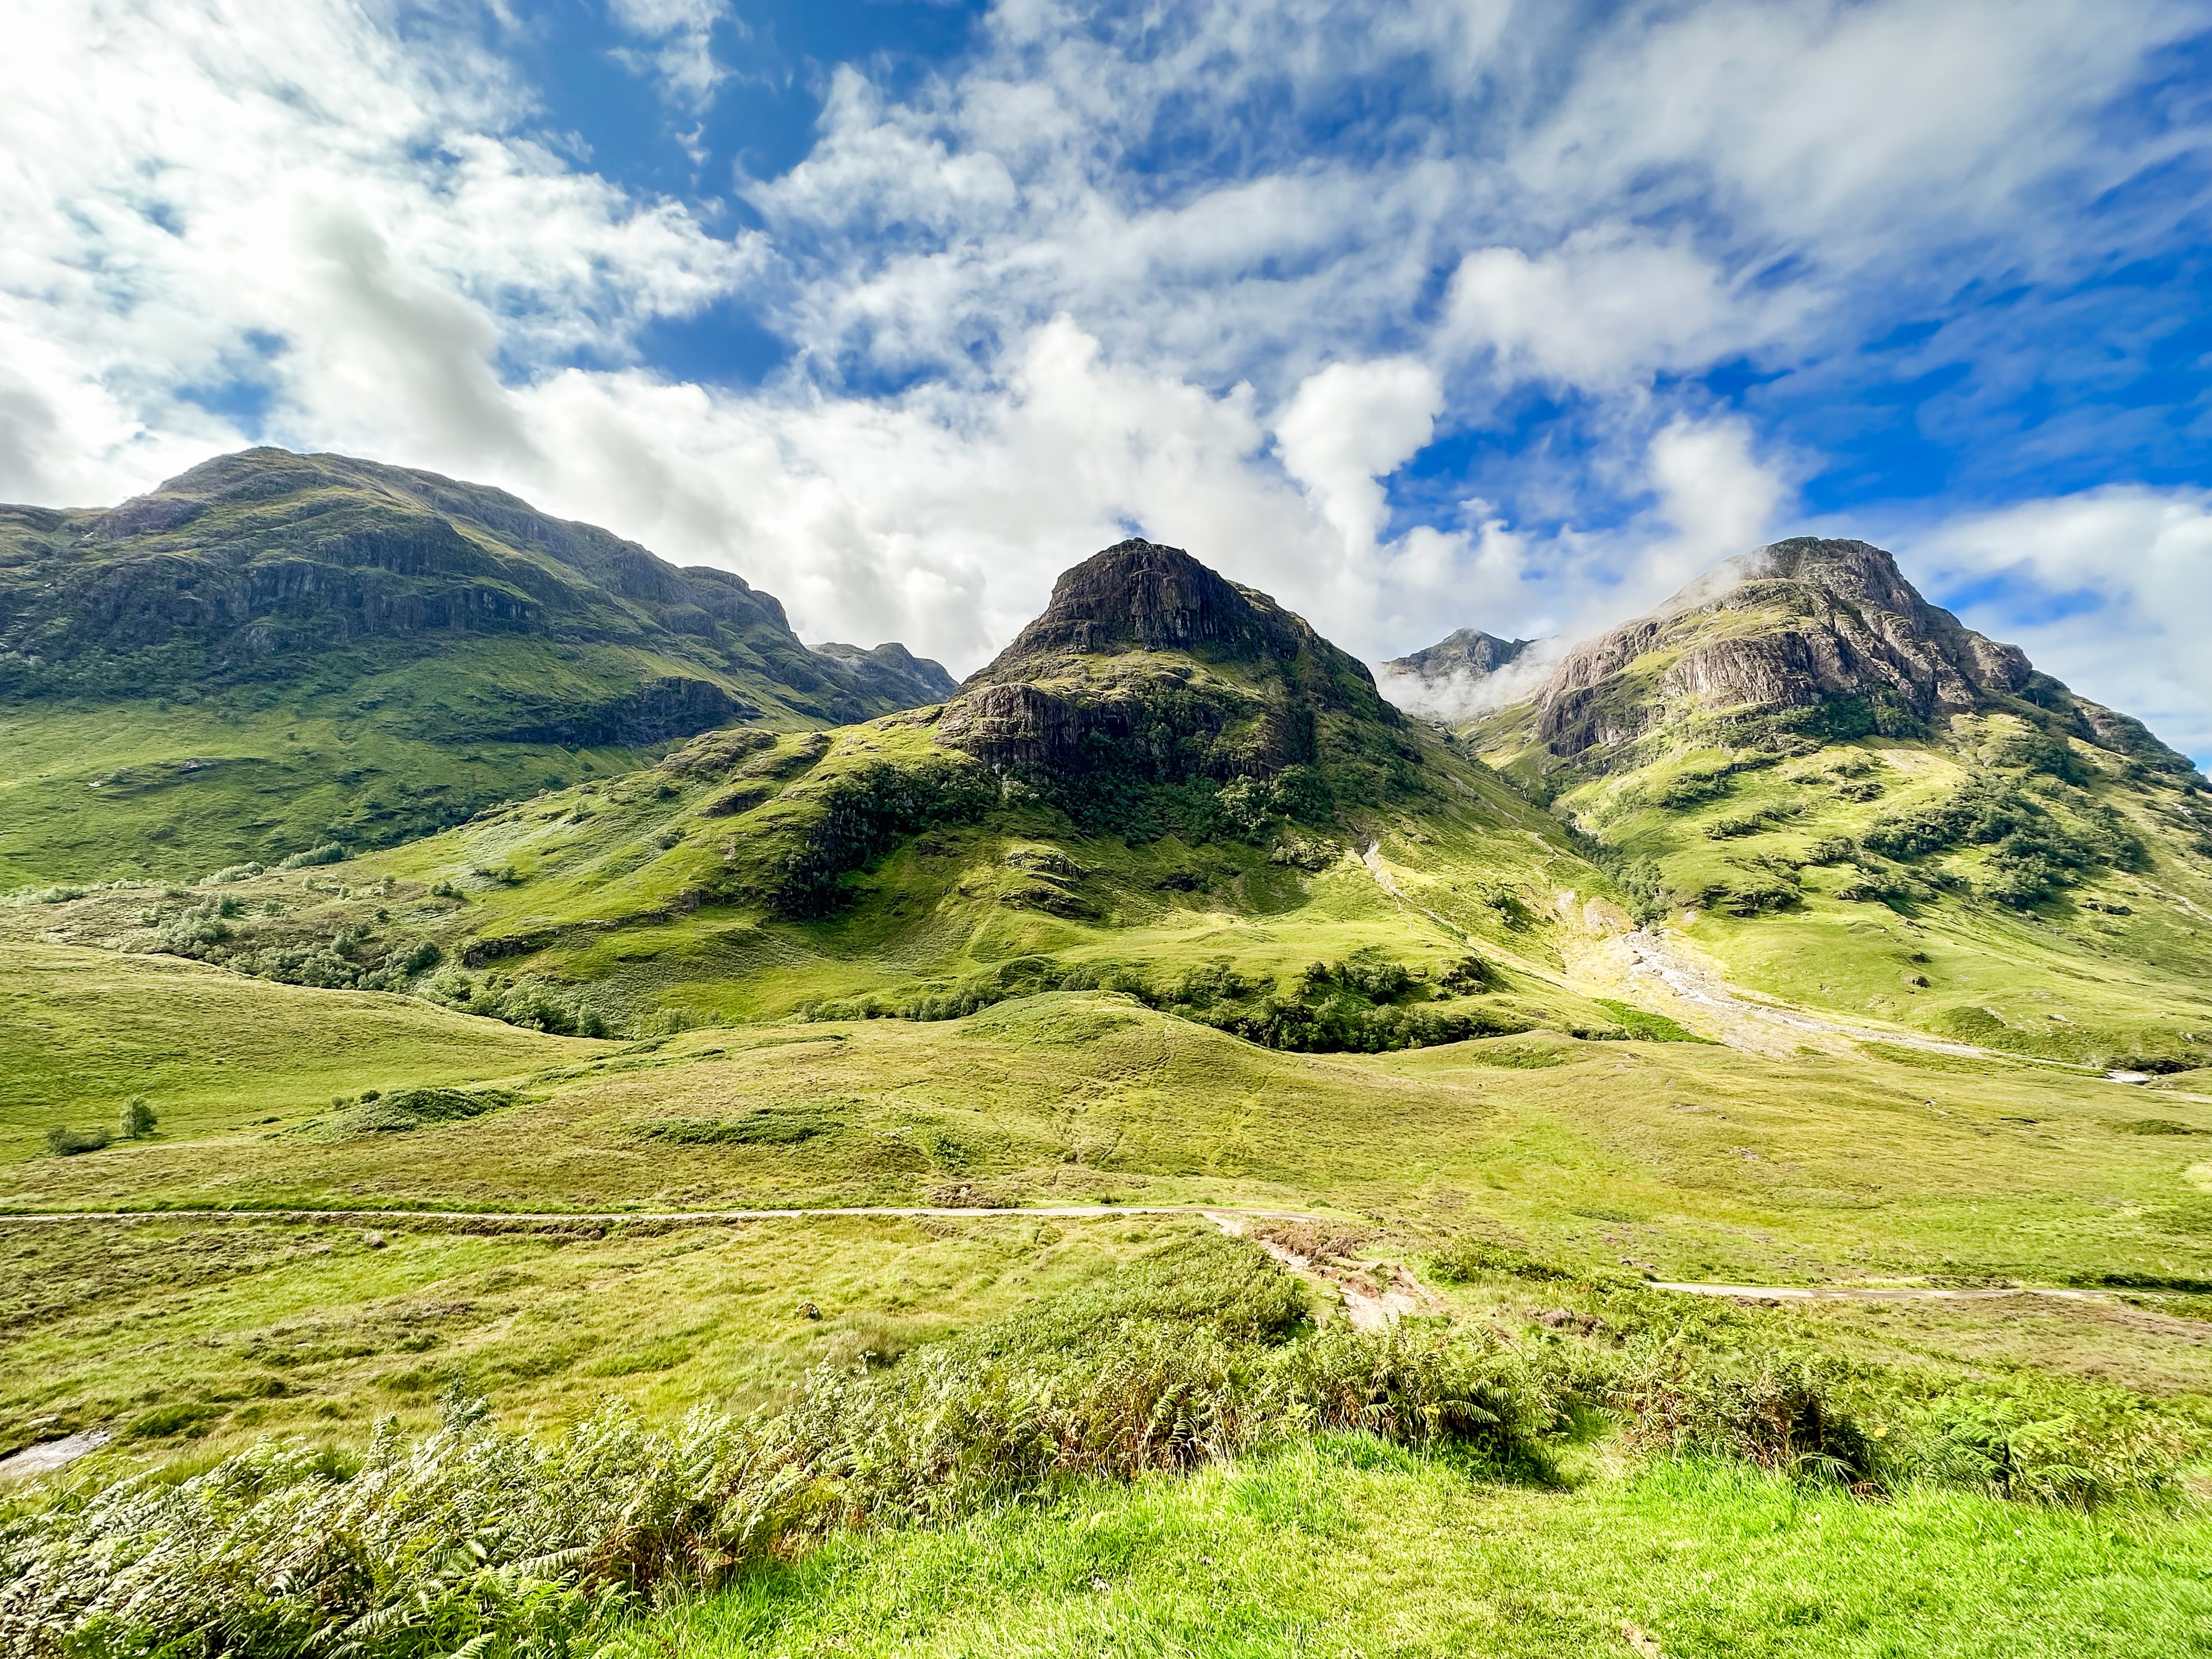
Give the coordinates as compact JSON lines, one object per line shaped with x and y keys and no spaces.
{"x":2075,"y":1444}
{"x":1774,"y":1410}
{"x":495,"y":1542}
{"x":1466,"y":1260}
{"x":329,"y":853}
{"x":771,"y":1126}
{"x":65,"y":1142}
{"x":136,"y":1119}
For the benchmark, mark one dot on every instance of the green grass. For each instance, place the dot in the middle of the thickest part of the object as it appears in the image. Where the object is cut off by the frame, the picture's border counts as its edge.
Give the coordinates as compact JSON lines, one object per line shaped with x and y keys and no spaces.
{"x":175,"y":1331}
{"x":102,"y":793}
{"x":1344,"y":1547}
{"x":2112,"y":968}
{"x":1718,"y":1164}
{"x":82,"y":1030}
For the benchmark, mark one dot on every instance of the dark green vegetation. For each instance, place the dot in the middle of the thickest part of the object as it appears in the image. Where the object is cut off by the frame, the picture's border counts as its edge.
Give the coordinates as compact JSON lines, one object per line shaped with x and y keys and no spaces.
{"x":1164,"y":907}
{"x":275,"y":652}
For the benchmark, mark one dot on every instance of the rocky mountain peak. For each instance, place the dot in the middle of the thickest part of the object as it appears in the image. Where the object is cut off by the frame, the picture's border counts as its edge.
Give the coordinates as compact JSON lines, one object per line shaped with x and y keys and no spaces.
{"x":1468,"y":653}
{"x":1824,"y":636}
{"x":1141,"y":596}
{"x":1805,"y":624}
{"x":1084,"y":689}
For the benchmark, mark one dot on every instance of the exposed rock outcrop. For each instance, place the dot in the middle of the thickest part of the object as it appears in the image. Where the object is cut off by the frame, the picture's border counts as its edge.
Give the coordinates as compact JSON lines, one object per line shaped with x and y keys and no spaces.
{"x":1150,"y":664}
{"x":1793,"y":626}
{"x":1825,"y":635}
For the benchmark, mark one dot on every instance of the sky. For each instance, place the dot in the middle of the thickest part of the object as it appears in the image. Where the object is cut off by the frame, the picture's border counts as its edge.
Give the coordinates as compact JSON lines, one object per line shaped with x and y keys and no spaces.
{"x":1466,"y":313}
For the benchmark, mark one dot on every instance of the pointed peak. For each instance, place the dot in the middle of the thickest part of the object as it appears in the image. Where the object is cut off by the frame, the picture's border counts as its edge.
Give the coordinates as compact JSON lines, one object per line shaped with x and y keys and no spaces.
{"x":1466,"y":652}
{"x":1141,"y":596}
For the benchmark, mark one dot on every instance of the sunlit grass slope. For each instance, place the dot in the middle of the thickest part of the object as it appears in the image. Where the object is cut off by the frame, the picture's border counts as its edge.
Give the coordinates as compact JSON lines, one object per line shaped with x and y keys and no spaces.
{"x":1771,"y":864}
{"x":666,"y":898}
{"x":82,"y":1030}
{"x":1689,"y":1161}
{"x":171,"y":1330}
{"x":1347,"y":1547}
{"x":182,"y":788}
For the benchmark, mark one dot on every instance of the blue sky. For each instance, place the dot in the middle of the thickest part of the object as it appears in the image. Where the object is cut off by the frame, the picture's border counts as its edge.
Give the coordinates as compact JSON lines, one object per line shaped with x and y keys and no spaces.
{"x":1422,"y":316}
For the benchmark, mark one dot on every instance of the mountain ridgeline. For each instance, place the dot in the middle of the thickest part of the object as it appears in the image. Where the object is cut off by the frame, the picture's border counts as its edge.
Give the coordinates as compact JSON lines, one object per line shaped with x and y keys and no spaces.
{"x":1151,"y":681}
{"x":1169,"y":785}
{"x":446,"y":644}
{"x":1810,"y":639}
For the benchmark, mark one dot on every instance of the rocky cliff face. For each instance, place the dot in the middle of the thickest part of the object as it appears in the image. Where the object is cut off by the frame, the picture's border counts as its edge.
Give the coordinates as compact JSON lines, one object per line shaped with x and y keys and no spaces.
{"x":253,"y":567}
{"x":1826,"y":637}
{"x":1150,"y":664}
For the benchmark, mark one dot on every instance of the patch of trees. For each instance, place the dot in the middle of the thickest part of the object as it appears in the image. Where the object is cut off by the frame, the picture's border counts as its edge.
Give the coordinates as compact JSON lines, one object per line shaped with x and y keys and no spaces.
{"x":1364,"y":1003}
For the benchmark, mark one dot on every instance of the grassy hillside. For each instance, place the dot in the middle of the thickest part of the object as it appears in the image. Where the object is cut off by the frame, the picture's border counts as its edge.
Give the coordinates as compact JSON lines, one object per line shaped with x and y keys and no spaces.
{"x":275,"y":652}
{"x":1164,"y":912}
{"x":1347,"y":1548}
{"x":1854,"y":804}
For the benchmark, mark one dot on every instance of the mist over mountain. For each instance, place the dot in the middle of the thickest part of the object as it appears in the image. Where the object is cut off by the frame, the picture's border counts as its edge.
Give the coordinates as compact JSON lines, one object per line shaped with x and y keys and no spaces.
{"x":1466,"y":673}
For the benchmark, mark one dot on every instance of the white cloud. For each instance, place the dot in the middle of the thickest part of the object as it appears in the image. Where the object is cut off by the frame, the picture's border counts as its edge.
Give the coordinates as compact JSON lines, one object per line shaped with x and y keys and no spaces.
{"x":1349,"y":427}
{"x":680,"y":35}
{"x":1607,"y":308}
{"x":1233,"y":344}
{"x":2109,"y":590}
{"x":199,"y":195}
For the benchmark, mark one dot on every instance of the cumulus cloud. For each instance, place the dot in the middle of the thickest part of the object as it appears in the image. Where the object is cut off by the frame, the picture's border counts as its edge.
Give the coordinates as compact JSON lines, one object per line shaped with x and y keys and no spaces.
{"x":1220,"y":272}
{"x":214,"y":205}
{"x":1351,"y":425}
{"x":1607,"y":308}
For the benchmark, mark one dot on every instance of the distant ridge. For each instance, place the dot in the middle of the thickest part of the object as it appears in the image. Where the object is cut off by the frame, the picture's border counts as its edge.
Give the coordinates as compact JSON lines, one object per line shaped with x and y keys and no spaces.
{"x":273,"y":652}
{"x":1468,"y":653}
{"x":1823,"y":637}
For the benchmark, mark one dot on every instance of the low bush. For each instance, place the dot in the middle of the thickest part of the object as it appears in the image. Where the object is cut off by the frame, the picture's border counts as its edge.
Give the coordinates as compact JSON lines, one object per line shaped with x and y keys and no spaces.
{"x":1776,"y":1411}
{"x":65,"y":1142}
{"x":768,"y":1126}
{"x":1365,"y":1004}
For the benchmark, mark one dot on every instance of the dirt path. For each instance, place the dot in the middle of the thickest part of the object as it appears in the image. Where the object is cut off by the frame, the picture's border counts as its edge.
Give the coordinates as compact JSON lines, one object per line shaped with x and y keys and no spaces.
{"x":1762,"y":1027}
{"x":1741,"y":1022}
{"x":50,"y":1455}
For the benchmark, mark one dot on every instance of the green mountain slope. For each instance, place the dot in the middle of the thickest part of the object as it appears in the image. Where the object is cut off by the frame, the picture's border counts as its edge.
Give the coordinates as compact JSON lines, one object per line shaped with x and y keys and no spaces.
{"x":274,"y":652}
{"x":1858,"y":805}
{"x":1168,"y":786}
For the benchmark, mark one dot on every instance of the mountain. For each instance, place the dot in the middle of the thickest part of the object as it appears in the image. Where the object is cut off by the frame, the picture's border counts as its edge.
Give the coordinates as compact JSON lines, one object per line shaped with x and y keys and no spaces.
{"x":1469,"y":654}
{"x":1826,"y":639}
{"x":1856,"y":803}
{"x":1168,"y":786}
{"x":274,"y":651}
{"x":1148,"y":672}
{"x":1460,"y":675}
